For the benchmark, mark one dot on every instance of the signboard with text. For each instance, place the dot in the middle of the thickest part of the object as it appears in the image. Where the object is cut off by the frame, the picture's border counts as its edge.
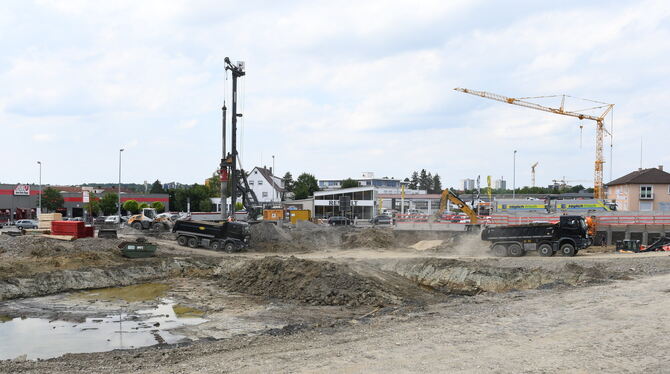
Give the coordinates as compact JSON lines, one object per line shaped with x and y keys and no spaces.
{"x":22,"y":190}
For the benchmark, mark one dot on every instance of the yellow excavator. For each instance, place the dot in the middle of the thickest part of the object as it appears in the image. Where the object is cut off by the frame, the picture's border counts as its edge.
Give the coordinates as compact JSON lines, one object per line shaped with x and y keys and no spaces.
{"x":449,"y":195}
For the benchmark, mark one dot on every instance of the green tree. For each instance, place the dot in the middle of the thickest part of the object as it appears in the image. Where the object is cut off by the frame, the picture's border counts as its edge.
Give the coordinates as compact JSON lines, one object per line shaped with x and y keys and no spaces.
{"x":425,"y":180}
{"x":93,"y":205}
{"x":159,"y":206}
{"x":213,"y":183}
{"x":239,"y":206}
{"x":288,"y":181}
{"x":305,"y":186}
{"x":131,"y":206}
{"x":108,"y":203}
{"x":414,"y":181}
{"x":349,"y":183}
{"x":157,"y":187}
{"x":142,"y":206}
{"x":437,"y":184}
{"x":52,"y":199}
{"x":205,"y":205}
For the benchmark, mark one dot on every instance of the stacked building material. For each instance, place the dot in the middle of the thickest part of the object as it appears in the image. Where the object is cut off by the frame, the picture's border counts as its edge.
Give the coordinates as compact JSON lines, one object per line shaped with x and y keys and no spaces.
{"x":75,"y":229}
{"x":45,"y":220}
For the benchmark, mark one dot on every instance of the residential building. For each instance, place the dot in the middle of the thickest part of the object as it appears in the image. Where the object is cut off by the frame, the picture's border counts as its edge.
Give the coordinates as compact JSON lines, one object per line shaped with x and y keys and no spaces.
{"x":268,"y":188}
{"x":467,"y":184}
{"x":500,"y":184}
{"x":641,"y":190}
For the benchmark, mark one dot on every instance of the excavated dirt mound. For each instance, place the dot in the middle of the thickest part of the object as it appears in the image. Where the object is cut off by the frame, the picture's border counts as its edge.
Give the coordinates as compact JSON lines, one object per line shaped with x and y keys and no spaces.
{"x":312,"y":282}
{"x":470,"y":278}
{"x":268,"y":232}
{"x":39,"y":246}
{"x":369,"y":238}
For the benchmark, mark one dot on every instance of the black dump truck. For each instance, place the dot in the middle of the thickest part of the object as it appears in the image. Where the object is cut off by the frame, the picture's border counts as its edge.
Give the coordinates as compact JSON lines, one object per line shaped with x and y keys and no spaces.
{"x":227,"y":236}
{"x":567,"y":236}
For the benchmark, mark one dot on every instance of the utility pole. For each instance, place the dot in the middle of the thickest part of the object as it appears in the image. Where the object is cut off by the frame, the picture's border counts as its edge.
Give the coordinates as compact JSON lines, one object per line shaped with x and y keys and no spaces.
{"x":40,"y":196}
{"x":118,"y":210}
{"x":272,"y":177}
{"x":237,"y":71}
{"x":514,"y":176}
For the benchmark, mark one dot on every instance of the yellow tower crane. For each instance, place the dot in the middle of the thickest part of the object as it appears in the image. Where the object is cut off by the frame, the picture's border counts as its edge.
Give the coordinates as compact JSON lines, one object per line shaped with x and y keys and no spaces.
{"x":598,"y":190}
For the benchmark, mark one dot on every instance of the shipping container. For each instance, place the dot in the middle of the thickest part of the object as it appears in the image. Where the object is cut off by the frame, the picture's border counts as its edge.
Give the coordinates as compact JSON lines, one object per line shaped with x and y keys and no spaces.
{"x":300,"y":215}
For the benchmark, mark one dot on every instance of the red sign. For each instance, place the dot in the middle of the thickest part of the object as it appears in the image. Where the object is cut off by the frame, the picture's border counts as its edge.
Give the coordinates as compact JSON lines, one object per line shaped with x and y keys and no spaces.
{"x":22,"y":190}
{"x":224,"y":175}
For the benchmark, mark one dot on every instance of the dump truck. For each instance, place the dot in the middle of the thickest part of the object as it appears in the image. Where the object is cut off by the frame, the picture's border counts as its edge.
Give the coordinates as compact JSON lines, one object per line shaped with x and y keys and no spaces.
{"x":567,"y":236}
{"x":228,"y":236}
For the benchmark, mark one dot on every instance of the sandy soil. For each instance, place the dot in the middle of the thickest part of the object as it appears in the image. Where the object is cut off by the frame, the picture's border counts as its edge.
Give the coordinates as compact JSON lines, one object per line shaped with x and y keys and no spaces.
{"x":617,"y":327}
{"x":376,"y":308}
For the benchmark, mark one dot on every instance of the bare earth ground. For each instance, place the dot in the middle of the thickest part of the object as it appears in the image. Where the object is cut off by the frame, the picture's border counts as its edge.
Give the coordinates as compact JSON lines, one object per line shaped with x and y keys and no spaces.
{"x":596,"y":312}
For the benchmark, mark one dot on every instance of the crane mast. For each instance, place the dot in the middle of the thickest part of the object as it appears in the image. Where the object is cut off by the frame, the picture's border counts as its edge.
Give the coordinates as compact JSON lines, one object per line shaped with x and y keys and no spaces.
{"x":598,"y":189}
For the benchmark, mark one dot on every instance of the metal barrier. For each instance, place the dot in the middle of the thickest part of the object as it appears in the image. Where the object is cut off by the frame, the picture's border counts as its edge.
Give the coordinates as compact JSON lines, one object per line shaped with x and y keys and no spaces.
{"x":615,"y":220}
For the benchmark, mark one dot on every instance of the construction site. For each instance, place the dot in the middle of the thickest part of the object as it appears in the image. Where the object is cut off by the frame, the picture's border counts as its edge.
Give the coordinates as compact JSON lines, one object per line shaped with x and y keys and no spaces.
{"x":307,"y":297}
{"x":252,"y":272}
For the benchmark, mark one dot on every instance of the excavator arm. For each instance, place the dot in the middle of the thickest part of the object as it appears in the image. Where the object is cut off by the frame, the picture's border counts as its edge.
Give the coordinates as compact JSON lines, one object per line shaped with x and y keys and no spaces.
{"x":448,"y":195}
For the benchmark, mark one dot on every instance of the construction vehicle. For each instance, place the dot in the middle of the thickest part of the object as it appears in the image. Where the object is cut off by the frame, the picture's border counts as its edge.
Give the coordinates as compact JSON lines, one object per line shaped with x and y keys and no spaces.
{"x":567,"y":236}
{"x":149,"y":219}
{"x":449,"y":195}
{"x":228,"y":236}
{"x":634,"y":246}
{"x":598,"y":188}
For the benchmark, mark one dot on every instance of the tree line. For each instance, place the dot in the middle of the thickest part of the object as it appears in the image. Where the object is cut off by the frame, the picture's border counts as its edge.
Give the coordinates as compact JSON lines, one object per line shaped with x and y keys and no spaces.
{"x":424,"y":180}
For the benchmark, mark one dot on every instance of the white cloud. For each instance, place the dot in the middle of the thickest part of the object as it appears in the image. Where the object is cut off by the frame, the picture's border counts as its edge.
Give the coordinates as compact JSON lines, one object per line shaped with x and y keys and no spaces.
{"x":43,"y":138}
{"x":188,"y":124}
{"x":331,"y":88}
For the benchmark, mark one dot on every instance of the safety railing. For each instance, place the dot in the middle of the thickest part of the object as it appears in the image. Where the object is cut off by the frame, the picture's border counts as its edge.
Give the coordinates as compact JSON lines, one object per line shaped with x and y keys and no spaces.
{"x":523,"y":220}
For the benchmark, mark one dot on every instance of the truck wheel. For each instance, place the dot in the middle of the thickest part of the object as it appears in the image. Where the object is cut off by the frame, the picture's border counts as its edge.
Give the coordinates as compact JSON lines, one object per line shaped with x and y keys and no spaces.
{"x":515,"y":250}
{"x":499,"y":250}
{"x":136,"y":225}
{"x":215,"y":246}
{"x":229,"y":247}
{"x":193,"y":242}
{"x":545,"y":250}
{"x":182,"y":240}
{"x":568,"y":250}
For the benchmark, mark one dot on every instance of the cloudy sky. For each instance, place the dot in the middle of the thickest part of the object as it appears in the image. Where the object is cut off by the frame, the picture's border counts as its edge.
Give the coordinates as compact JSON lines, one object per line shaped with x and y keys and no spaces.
{"x":334,"y":88}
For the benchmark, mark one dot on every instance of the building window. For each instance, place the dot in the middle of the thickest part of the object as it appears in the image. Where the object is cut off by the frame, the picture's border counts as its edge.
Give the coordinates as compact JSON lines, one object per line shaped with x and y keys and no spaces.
{"x":260,"y":182}
{"x":265,"y":194}
{"x":646,"y":192}
{"x":251,"y":183}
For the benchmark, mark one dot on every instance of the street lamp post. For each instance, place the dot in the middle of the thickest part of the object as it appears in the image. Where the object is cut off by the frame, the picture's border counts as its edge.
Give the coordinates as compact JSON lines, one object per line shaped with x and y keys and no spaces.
{"x":39,"y":209}
{"x":514,"y":176}
{"x":118,"y":211}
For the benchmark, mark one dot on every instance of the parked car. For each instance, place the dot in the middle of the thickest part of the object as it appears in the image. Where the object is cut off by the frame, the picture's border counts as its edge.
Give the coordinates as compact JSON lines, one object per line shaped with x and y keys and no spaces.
{"x":112,"y":219}
{"x":99,"y":219}
{"x":26,"y":224}
{"x":382,"y":220}
{"x":76,"y":219}
{"x":339,"y":221}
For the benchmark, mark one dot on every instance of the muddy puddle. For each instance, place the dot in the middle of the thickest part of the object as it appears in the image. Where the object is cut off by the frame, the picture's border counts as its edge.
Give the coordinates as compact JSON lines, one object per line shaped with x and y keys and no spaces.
{"x":42,"y":338}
